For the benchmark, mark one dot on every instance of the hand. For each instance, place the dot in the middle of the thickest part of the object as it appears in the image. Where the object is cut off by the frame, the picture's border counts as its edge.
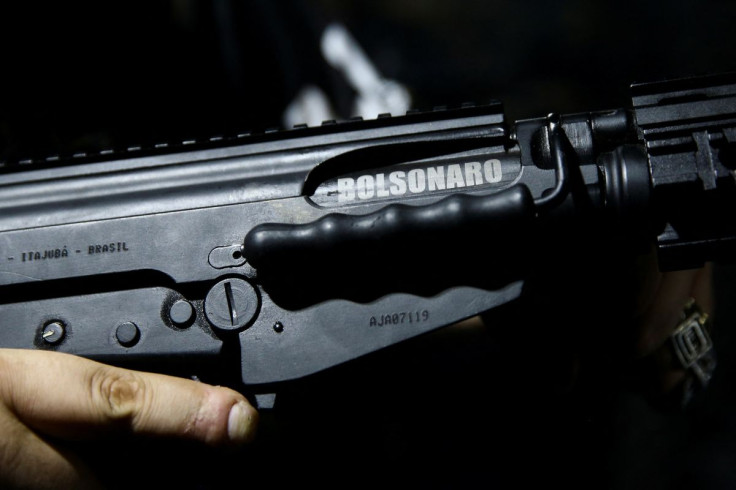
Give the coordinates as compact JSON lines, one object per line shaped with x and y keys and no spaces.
{"x":593,"y":325}
{"x":661,"y":307}
{"x":661,"y":299}
{"x":50,"y":402}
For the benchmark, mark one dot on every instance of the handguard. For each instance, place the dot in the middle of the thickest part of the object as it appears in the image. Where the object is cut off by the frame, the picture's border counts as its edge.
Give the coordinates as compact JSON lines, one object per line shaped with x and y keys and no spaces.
{"x":277,"y":255}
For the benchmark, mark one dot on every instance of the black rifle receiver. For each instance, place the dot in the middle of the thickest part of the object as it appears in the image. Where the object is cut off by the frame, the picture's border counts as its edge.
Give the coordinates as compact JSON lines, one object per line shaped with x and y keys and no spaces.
{"x":277,"y":255}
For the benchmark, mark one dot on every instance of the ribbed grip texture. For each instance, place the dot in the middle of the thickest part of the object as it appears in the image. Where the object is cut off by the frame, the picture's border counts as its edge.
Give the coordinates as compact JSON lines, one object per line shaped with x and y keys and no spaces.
{"x":397,"y":232}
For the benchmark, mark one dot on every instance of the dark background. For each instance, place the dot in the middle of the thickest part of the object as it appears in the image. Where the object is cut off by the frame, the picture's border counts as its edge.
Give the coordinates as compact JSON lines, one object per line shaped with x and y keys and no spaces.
{"x":482,"y":408}
{"x":89,"y":75}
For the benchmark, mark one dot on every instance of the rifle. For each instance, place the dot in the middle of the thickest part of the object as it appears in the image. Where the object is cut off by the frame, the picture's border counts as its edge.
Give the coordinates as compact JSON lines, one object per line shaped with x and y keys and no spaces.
{"x":272,"y":256}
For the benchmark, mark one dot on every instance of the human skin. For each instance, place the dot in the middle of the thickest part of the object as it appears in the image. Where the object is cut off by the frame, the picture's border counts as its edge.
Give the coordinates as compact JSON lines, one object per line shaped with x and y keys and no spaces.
{"x":49,"y":399}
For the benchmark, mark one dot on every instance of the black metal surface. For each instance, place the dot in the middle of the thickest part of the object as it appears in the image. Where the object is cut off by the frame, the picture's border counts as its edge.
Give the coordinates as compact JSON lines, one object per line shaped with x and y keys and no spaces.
{"x":122,"y":327}
{"x":566,"y":58}
{"x":316,"y":338}
{"x":186,"y":238}
{"x":688,"y":127}
{"x":100,"y":246}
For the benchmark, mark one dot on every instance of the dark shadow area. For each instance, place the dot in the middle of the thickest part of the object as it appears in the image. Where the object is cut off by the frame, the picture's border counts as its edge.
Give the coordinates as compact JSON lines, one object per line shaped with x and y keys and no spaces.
{"x":494,"y":407}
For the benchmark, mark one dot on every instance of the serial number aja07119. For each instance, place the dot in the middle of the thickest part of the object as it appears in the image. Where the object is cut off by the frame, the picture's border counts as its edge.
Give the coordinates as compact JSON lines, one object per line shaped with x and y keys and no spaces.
{"x":399,"y":318}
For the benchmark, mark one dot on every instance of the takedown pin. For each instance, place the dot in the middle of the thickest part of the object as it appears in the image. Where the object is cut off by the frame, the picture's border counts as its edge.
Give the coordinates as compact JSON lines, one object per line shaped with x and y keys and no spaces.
{"x":231,"y":304}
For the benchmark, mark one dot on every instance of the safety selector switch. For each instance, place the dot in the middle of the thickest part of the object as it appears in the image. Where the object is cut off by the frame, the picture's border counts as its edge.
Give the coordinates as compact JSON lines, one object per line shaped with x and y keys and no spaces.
{"x":231,"y":304}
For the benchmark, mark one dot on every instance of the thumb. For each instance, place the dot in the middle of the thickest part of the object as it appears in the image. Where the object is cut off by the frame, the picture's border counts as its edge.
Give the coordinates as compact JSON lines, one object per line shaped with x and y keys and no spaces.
{"x":72,"y":398}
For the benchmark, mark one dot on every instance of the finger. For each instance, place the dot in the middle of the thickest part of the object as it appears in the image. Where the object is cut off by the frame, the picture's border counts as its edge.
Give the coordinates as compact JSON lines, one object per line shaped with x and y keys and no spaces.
{"x":26,"y":461}
{"x":74,"y":398}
